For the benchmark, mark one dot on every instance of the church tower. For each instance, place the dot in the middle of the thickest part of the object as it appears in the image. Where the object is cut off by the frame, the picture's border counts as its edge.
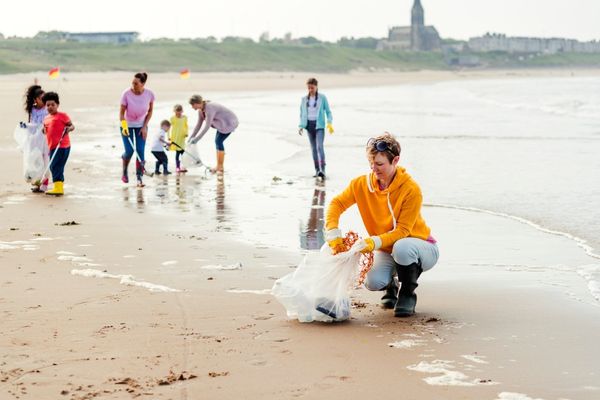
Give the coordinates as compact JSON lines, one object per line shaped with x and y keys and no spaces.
{"x":418,"y":14}
{"x":417,"y":26}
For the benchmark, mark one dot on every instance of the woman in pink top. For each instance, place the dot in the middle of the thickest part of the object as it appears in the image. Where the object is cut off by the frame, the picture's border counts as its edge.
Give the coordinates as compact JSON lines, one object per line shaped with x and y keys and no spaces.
{"x":136,"y":108}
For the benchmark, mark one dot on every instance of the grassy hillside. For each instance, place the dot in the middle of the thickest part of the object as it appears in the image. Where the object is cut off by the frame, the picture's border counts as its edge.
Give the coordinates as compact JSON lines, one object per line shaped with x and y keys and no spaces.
{"x":506,"y":60}
{"x":25,"y":55}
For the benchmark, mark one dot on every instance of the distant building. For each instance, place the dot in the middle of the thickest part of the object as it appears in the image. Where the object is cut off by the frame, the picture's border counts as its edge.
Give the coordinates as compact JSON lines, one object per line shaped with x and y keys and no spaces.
{"x":103,"y":37}
{"x":416,"y":37}
{"x":498,"y":42}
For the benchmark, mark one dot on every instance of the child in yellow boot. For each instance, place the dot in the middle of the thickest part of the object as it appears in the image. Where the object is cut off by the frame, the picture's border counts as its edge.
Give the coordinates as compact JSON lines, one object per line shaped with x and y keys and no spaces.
{"x":55,"y":124}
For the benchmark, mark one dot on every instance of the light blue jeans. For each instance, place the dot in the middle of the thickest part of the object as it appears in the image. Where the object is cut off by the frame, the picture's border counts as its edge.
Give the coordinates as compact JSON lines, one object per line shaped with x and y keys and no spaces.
{"x":316,"y":138}
{"x":405,"y":252}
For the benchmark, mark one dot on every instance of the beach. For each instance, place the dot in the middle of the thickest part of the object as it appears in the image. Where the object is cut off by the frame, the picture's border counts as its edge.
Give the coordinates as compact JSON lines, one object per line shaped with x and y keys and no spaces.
{"x":114,"y":292}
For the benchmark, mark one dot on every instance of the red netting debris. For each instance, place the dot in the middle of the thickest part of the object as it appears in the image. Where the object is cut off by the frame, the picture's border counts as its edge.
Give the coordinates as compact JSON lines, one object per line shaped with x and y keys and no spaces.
{"x":366,"y":260}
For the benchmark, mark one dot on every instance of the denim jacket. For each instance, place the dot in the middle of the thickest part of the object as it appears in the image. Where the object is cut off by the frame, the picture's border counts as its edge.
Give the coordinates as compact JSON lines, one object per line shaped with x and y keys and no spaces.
{"x":324,"y":111}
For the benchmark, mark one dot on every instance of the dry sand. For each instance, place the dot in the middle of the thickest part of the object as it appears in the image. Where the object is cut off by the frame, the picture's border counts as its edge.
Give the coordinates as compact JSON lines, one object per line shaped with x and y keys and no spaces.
{"x":495,"y":317}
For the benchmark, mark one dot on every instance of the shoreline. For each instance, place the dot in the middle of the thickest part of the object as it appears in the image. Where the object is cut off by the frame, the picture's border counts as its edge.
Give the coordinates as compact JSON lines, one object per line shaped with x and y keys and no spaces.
{"x":170,"y":83}
{"x":505,"y":294}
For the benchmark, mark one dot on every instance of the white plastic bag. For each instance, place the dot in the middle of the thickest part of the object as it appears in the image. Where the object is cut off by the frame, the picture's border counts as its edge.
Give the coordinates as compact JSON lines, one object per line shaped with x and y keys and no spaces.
{"x":319,"y":289}
{"x":191,"y":157}
{"x":32,"y":142}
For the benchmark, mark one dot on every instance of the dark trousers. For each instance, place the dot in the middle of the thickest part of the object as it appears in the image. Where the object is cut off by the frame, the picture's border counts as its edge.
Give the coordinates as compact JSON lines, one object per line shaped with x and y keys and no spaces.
{"x":57,"y":167}
{"x":161,"y":159}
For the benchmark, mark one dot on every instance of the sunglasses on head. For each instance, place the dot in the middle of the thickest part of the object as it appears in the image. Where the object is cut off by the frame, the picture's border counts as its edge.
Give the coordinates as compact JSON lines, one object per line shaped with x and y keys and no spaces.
{"x":381,"y":146}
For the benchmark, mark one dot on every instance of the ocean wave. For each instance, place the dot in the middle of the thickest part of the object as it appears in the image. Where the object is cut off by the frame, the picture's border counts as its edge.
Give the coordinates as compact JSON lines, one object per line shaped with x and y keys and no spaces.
{"x":582,"y":243}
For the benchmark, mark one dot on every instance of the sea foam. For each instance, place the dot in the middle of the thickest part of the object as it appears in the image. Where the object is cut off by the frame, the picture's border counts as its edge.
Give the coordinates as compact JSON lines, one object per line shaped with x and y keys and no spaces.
{"x":445,"y":374}
{"x":127,"y":280}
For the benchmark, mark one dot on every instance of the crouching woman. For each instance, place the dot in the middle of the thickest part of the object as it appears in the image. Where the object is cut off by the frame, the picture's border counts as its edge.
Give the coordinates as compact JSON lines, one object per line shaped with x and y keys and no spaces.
{"x":389,"y":202}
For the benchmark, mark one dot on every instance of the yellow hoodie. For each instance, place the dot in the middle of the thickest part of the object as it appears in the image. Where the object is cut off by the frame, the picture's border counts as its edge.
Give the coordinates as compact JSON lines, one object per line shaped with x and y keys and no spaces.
{"x":391,"y":214}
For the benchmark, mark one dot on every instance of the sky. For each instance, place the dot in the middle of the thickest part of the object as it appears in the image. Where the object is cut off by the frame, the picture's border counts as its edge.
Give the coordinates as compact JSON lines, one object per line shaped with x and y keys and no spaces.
{"x":324,"y":19}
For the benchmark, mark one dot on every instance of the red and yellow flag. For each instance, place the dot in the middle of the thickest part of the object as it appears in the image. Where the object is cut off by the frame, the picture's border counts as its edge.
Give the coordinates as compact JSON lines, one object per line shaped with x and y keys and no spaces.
{"x":54,"y":73}
{"x":184,"y":73}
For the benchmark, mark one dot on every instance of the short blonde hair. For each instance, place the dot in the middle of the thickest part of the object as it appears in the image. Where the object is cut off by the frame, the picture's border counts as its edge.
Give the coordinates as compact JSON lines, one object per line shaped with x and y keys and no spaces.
{"x":196,"y":99}
{"x":392,"y":149}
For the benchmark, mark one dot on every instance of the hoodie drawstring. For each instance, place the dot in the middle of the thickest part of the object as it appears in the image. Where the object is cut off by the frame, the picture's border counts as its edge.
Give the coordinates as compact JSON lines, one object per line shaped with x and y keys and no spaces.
{"x":372,"y":190}
{"x":391,"y":210}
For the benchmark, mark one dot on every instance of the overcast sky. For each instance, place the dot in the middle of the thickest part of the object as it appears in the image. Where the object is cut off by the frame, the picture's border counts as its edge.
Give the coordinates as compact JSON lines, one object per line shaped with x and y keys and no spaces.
{"x":325,"y":19}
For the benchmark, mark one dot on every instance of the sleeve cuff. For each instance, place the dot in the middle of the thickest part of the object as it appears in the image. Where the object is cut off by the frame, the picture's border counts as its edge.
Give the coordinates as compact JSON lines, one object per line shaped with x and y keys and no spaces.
{"x":333,"y":234}
{"x":377,"y":241}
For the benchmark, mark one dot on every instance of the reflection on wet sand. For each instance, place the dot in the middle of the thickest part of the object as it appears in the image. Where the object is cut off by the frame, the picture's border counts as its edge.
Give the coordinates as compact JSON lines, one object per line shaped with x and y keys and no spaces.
{"x":312,"y":235}
{"x":139,"y":197}
{"x":221,"y":208}
{"x":181,"y":194}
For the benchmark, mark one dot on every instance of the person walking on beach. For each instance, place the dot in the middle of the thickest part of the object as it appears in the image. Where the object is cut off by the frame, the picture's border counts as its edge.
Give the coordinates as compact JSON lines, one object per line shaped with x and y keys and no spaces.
{"x":137,"y":104}
{"x":315,"y":116}
{"x":57,"y":126}
{"x":216,"y":116}
{"x":36,"y":112}
{"x":179,"y":132}
{"x":389,"y":202}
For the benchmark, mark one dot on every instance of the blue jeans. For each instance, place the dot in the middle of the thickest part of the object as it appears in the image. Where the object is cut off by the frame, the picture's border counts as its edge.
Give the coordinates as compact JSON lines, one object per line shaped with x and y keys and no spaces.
{"x":219,"y":139}
{"x":57,"y":167}
{"x":140,"y":144}
{"x":405,"y":252}
{"x":317,"y":137}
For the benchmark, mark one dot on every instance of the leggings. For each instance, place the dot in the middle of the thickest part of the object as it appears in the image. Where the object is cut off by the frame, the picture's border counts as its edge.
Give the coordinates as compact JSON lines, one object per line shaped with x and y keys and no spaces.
{"x":178,"y":154}
{"x":219,"y":139}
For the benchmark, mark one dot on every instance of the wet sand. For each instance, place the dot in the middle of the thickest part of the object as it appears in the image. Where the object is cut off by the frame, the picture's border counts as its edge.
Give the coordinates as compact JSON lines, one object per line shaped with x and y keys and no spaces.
{"x":499,"y":314}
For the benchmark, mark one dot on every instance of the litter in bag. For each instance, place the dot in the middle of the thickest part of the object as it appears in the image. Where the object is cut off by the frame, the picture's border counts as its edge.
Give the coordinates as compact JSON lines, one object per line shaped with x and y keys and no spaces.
{"x":319,"y":289}
{"x":32,"y":142}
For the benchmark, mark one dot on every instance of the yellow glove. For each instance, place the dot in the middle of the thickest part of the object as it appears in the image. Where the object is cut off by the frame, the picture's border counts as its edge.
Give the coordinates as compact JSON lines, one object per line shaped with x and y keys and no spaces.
{"x":330,"y":128}
{"x":368,"y":245}
{"x":124,"y":128}
{"x":335,"y":241}
{"x":337,"y":245}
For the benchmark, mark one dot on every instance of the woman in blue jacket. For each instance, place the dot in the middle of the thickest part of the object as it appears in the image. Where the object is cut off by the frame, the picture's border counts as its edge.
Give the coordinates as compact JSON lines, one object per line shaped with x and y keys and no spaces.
{"x":315,"y":116}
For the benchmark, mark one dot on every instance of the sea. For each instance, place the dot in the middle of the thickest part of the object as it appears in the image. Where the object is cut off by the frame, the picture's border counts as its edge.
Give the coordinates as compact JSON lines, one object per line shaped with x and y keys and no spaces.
{"x":523,"y":148}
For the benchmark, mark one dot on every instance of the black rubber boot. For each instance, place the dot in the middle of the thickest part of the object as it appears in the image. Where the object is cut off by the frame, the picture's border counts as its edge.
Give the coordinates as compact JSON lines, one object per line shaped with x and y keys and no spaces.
{"x":389,"y":299}
{"x":407,"y":299}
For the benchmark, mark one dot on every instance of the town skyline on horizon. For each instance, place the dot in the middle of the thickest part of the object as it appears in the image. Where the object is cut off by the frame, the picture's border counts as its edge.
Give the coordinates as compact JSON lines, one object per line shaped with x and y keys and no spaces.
{"x":460,"y":20}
